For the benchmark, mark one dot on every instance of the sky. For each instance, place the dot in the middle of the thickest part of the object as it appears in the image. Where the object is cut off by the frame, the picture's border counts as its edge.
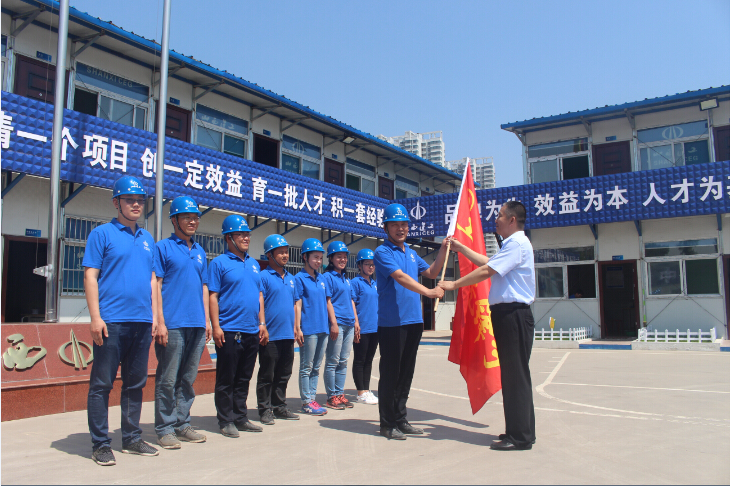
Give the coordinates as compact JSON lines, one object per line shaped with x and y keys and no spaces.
{"x":461,"y":67}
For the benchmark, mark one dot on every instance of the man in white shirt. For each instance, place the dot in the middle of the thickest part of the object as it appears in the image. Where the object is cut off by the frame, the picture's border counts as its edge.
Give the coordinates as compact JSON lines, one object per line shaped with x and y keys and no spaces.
{"x":512,"y":271}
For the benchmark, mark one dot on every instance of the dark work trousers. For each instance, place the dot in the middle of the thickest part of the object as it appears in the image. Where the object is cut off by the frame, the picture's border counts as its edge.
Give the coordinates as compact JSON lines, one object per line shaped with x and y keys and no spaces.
{"x":275,"y":364}
{"x":514,"y":330}
{"x":234,"y":367}
{"x":398,"y":349}
{"x":362,"y":363}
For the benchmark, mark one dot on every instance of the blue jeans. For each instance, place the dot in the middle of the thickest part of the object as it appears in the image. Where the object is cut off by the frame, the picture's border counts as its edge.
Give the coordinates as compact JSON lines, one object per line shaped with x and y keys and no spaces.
{"x":335,"y":367}
{"x":177,"y":368}
{"x":129,"y":344}
{"x":310,"y":358}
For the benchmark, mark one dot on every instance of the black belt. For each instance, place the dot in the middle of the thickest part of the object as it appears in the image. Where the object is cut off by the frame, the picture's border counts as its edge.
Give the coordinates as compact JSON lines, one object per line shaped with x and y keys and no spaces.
{"x":509,"y":306}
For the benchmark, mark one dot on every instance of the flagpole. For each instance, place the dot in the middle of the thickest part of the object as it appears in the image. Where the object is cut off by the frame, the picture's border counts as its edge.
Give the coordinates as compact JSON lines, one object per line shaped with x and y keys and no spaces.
{"x":443,"y":272}
{"x":452,"y":226}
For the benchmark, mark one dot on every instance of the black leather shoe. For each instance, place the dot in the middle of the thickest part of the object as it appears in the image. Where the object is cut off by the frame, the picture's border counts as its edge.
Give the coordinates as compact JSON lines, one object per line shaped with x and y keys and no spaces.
{"x":248,"y":426}
{"x":505,"y":445}
{"x":285,"y":414}
{"x":392,"y":433}
{"x":504,"y":437}
{"x":407,"y":428}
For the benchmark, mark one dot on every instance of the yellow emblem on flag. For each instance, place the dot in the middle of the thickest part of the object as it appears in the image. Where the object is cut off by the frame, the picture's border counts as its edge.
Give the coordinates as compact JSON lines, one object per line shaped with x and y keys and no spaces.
{"x":483,"y":320}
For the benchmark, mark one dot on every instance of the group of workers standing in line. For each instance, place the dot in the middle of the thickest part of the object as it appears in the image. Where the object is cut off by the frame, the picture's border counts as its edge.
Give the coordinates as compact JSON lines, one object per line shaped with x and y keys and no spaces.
{"x":138,"y":291}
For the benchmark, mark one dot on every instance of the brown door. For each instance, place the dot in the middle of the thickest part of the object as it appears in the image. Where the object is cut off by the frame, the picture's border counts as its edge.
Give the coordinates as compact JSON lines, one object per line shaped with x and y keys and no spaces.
{"x":23,"y":293}
{"x":177,"y":125}
{"x":722,"y":143}
{"x":611,"y":158}
{"x":619,"y":297}
{"x":265,"y":151}
{"x":36,"y":79}
{"x":334,"y":172}
{"x":385,"y":188}
{"x":426,"y":193}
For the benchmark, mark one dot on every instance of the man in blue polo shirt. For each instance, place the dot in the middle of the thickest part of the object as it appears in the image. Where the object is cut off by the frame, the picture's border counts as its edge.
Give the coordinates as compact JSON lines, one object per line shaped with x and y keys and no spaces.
{"x":239,"y":327}
{"x":400,"y":319}
{"x":182,"y":328}
{"x":277,"y":356}
{"x":121,"y":293}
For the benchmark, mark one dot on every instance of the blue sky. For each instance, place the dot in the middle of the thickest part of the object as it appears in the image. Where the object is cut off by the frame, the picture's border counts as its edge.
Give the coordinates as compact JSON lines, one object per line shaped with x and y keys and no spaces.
{"x":463,"y":67}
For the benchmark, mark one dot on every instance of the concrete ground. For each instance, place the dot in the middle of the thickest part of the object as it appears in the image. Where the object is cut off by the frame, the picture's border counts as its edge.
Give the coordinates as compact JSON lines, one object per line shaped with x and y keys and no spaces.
{"x":602,"y":417}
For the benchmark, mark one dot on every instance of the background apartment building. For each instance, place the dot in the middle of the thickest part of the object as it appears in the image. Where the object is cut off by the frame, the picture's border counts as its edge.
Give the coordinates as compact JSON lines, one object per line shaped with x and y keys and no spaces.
{"x":429,"y":145}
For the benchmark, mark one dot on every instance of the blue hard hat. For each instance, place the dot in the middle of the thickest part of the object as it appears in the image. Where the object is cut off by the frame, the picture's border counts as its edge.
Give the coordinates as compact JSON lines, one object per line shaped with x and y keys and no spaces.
{"x":274,"y":241}
{"x":311,"y":244}
{"x":395,"y":212}
{"x":184,"y":204}
{"x":234,"y":223}
{"x":336,"y":247}
{"x":128,"y":185}
{"x":365,"y":254}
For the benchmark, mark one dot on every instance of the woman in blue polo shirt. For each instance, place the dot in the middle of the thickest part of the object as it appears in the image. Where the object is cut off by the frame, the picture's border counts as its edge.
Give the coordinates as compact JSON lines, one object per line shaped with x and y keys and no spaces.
{"x":310,"y":324}
{"x":365,"y":296}
{"x":344,"y":326}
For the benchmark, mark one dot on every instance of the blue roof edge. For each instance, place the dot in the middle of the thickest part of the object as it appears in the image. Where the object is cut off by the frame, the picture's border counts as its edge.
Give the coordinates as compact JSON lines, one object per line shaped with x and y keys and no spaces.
{"x":152,"y":46}
{"x":576,"y":116}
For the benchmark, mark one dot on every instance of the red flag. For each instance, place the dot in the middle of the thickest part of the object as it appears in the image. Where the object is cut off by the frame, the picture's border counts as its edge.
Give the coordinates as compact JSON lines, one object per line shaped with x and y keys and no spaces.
{"x":472,"y":343}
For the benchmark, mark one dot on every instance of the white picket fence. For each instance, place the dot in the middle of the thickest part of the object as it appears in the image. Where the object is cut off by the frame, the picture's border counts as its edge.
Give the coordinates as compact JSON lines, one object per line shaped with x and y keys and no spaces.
{"x":667,"y":336}
{"x":577,"y":334}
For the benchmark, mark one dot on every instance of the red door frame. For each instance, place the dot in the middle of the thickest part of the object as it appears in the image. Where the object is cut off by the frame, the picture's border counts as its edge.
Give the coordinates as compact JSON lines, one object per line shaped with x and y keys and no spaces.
{"x":601,"y":266}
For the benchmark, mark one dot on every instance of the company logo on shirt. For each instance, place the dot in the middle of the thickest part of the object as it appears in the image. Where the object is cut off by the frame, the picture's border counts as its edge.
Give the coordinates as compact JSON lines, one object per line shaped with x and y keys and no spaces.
{"x":322,"y":284}
{"x":255,"y":270}
{"x":200,"y":259}
{"x":413,"y":257}
{"x":146,"y":246}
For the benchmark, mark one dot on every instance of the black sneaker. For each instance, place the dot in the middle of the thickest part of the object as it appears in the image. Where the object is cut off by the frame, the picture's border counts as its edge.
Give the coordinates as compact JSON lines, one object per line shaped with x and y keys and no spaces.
{"x":285,"y":414}
{"x":267,"y":417}
{"x":392,"y":433}
{"x":104,"y":456}
{"x":141,"y":448}
{"x":407,"y":428}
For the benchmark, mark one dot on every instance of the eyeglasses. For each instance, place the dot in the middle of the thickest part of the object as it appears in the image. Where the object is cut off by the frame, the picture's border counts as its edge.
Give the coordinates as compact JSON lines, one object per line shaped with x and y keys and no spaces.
{"x":245,"y":236}
{"x":194,"y":219}
{"x":133,"y":200}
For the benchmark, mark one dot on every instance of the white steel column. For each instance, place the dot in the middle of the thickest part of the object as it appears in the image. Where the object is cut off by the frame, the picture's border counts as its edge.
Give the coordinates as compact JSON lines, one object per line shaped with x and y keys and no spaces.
{"x":162,"y":120}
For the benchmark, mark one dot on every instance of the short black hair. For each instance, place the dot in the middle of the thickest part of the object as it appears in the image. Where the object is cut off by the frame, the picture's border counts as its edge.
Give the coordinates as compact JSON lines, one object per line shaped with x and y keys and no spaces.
{"x":516,"y":209}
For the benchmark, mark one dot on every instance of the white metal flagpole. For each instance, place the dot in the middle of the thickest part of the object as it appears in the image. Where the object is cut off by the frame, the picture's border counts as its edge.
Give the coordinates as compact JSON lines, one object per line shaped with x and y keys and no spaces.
{"x":162,"y":120}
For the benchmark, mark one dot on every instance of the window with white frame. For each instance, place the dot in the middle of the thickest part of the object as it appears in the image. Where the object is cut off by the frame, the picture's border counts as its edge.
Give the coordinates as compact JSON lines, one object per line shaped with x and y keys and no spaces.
{"x":220,"y":131}
{"x":558,"y":161}
{"x":111,"y":97}
{"x":674,"y":146}
{"x":300,"y":157}
{"x":76,"y":232}
{"x":360,"y":177}
{"x":689,"y":267}
{"x":405,"y":188}
{"x":4,"y":58}
{"x":566,"y":273}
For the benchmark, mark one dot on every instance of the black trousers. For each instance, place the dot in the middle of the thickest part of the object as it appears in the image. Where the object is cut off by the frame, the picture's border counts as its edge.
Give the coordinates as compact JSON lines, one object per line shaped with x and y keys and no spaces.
{"x":275,"y":364}
{"x":234,"y":367}
{"x":362,"y":363}
{"x":514,"y":330}
{"x":398,"y":349}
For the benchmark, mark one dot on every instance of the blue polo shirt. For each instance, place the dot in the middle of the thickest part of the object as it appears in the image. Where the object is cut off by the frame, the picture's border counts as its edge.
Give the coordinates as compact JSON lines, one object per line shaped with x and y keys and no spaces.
{"x":312,"y":293}
{"x":238,"y":283}
{"x":279,"y":300}
{"x":515,"y":267}
{"x":365,"y":297}
{"x":125,"y":260}
{"x":338,"y":290}
{"x":397,"y":306}
{"x":184,"y":271}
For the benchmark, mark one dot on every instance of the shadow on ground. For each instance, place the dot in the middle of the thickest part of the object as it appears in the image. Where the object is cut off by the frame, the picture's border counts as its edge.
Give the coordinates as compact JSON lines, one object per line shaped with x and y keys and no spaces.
{"x":79,"y":444}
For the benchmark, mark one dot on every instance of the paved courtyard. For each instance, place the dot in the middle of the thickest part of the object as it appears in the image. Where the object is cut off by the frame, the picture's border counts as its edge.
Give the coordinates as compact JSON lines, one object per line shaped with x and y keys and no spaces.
{"x":602,"y":417}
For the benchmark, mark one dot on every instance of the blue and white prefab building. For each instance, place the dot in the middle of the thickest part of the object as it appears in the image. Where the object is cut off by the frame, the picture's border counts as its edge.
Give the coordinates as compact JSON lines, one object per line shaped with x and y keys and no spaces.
{"x":231,"y":145}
